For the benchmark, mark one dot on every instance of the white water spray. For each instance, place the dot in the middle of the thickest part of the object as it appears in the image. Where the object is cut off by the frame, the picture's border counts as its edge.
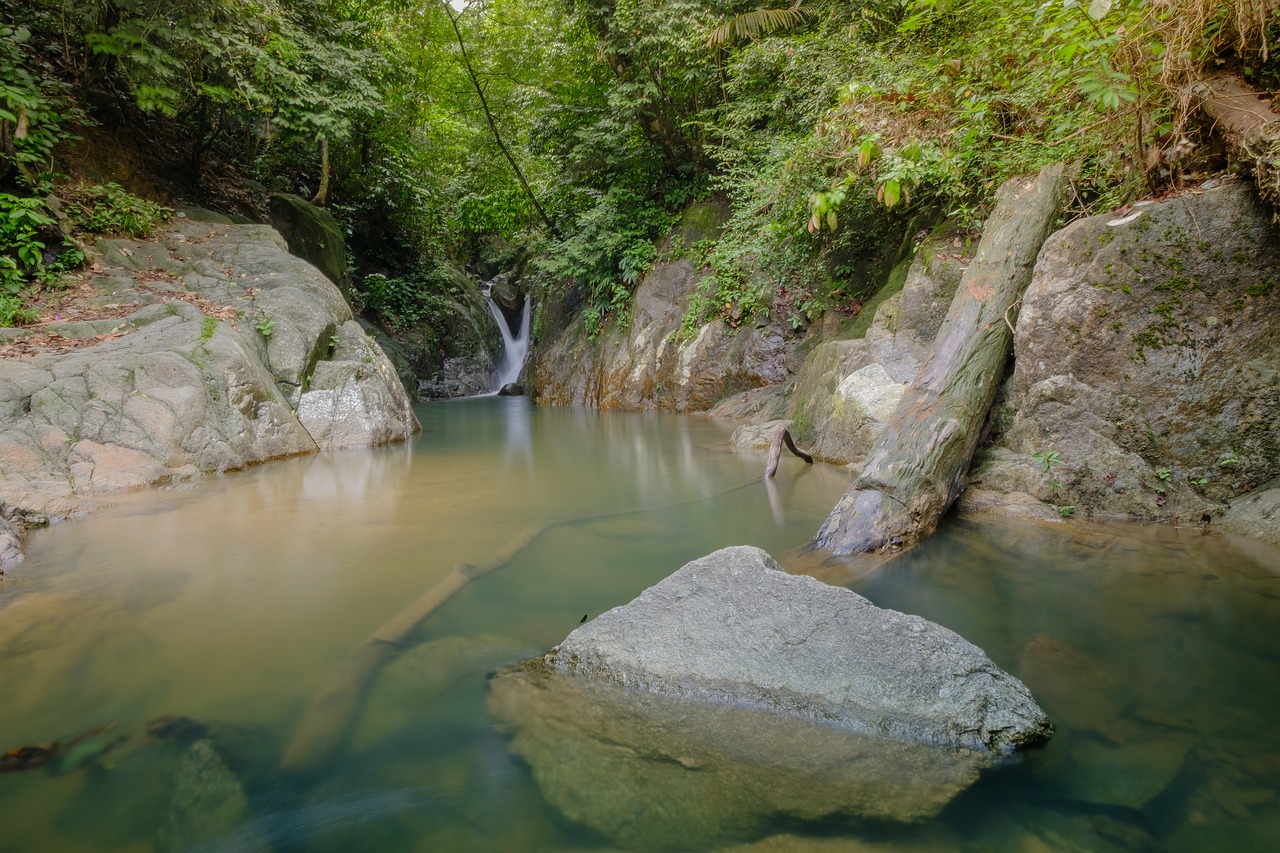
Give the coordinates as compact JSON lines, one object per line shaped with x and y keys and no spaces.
{"x":515,"y":345}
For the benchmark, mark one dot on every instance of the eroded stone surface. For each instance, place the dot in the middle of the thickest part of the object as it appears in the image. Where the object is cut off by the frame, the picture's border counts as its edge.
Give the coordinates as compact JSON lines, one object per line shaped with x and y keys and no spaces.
{"x":237,"y":353}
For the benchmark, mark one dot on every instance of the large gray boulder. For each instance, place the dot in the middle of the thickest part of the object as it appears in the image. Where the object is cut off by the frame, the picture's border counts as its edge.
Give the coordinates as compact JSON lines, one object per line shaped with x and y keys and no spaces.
{"x":314,"y":235}
{"x":733,"y":628}
{"x":1147,"y":362}
{"x":214,"y":349}
{"x":733,"y":695}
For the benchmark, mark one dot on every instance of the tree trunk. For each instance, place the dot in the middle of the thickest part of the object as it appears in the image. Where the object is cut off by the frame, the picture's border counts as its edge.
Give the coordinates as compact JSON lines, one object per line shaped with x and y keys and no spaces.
{"x":1248,"y":126}
{"x":322,"y":194}
{"x":917,"y":466}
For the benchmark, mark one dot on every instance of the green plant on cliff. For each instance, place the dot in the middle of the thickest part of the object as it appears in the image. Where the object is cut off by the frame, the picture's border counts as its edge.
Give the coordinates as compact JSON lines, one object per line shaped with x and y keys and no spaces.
{"x":1047,"y":459}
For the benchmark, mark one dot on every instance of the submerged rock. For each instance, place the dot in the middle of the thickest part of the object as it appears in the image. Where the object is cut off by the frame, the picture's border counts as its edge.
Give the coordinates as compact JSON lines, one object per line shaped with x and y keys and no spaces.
{"x":209,"y":805}
{"x":650,"y":772}
{"x":650,"y":723}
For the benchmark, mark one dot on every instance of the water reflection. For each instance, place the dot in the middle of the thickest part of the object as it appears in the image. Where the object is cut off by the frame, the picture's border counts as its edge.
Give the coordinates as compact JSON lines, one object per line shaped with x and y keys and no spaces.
{"x":1154,"y":649}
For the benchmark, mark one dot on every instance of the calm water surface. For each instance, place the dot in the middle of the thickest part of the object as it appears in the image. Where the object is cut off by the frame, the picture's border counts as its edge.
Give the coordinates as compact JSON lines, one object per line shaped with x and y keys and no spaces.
{"x":1155,"y":650}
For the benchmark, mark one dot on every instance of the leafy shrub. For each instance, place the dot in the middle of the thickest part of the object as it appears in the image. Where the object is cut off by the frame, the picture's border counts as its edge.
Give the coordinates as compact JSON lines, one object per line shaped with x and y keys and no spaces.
{"x":27,"y":262}
{"x":403,"y":302}
{"x":110,"y":209}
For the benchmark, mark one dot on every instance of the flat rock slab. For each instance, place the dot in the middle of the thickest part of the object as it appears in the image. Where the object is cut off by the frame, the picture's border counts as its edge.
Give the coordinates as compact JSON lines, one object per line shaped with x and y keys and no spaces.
{"x":733,"y":628}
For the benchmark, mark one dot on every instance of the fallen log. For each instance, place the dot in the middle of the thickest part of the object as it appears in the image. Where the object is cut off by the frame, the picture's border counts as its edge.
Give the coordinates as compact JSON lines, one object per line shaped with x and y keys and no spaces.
{"x":1248,"y":126}
{"x":917,"y":466}
{"x":782,"y":435}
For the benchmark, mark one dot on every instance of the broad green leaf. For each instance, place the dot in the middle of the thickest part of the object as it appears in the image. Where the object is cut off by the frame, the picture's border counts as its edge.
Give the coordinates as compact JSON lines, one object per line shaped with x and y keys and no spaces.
{"x":892,"y":193}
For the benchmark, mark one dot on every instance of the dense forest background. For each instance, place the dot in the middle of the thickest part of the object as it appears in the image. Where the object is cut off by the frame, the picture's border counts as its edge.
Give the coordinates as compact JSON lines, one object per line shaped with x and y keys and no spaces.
{"x":573,"y":132}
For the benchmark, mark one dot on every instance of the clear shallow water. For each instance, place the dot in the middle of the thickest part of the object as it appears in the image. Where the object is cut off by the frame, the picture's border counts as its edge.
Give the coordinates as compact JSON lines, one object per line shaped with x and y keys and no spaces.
{"x":1155,"y":650}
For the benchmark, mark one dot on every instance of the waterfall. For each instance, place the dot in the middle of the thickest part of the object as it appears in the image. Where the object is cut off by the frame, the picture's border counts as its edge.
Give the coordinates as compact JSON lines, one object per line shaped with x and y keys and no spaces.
{"x":515,"y":345}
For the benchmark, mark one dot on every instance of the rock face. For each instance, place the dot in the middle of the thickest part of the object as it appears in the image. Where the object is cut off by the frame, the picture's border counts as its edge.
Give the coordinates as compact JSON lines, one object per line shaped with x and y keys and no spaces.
{"x":209,"y":806}
{"x":1148,"y":361}
{"x":314,"y":235}
{"x":225,"y":351}
{"x":733,"y":628}
{"x":649,"y":365}
{"x":849,"y":388}
{"x":732,"y":695}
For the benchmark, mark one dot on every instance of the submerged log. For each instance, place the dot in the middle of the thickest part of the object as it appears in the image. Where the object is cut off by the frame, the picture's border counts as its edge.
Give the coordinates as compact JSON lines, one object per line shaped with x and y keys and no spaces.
{"x":1248,"y":126}
{"x":782,"y":435}
{"x":322,"y":732}
{"x":325,"y":724}
{"x":917,"y":466}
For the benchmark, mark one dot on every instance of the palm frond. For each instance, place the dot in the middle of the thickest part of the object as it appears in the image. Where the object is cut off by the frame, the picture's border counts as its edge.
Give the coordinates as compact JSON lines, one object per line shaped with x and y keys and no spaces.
{"x":757,"y":22}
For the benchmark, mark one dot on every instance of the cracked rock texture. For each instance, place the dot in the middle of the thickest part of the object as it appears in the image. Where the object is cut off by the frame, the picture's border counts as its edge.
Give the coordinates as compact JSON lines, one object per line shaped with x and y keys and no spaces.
{"x":733,"y":628}
{"x":183,"y":380}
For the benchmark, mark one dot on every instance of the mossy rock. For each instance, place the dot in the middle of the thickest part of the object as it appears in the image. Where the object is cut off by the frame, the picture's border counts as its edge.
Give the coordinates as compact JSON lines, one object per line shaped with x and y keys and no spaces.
{"x":313,"y":235}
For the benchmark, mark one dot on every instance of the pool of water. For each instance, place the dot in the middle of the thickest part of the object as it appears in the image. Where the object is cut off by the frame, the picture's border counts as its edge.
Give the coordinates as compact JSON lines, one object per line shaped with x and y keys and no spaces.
{"x":228,"y":604}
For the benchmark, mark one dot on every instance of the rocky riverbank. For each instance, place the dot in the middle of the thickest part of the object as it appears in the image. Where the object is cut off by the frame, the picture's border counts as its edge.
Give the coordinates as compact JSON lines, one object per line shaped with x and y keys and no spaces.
{"x":206,"y":349}
{"x":1143,"y":382}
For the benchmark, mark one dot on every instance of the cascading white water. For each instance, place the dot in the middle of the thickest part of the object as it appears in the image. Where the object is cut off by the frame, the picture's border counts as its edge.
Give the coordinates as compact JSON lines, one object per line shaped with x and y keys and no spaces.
{"x":515,"y":346}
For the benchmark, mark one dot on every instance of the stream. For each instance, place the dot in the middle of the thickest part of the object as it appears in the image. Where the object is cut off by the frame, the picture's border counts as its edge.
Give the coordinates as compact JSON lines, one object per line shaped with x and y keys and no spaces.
{"x":222,"y":606}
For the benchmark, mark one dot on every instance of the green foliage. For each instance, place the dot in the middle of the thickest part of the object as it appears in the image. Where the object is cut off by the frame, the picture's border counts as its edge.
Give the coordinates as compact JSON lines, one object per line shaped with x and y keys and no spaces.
{"x":33,"y":106}
{"x":1047,"y":459}
{"x":280,"y":68}
{"x":746,"y":26}
{"x":403,"y":302}
{"x":33,"y":255}
{"x":110,"y":209}
{"x":264,"y":325}
{"x":612,"y":246}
